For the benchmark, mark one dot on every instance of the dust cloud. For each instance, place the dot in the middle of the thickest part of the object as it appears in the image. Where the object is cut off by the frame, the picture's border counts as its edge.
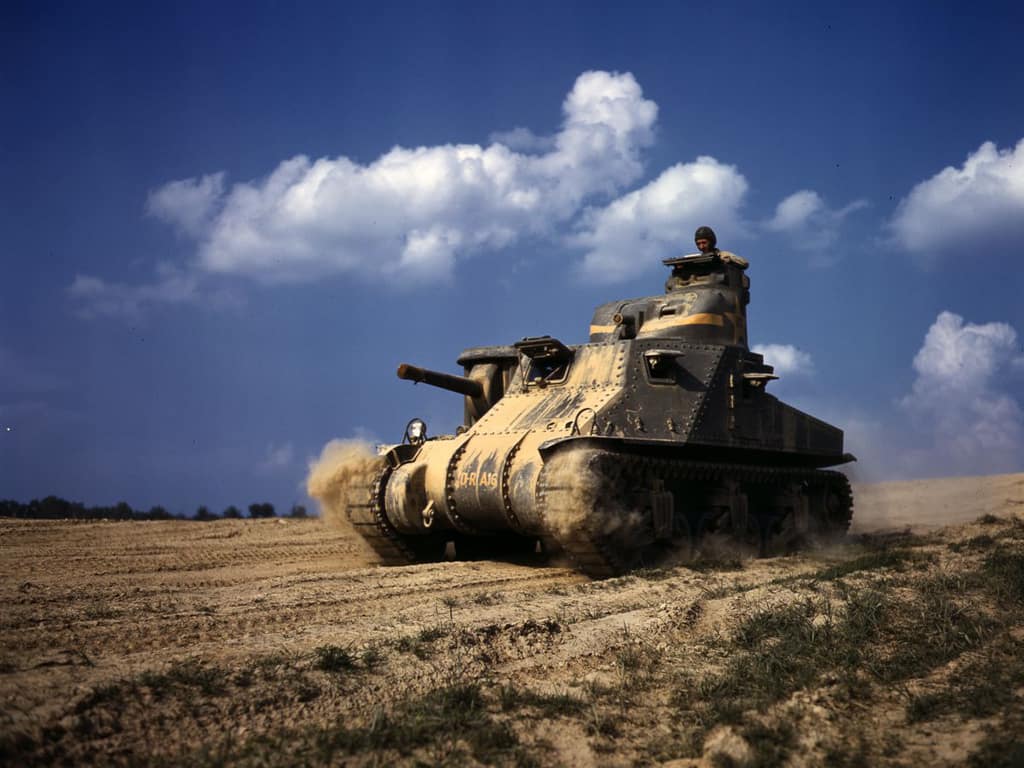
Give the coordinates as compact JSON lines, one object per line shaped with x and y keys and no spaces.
{"x":584,"y":499}
{"x":927,"y":504}
{"x":343,"y":466}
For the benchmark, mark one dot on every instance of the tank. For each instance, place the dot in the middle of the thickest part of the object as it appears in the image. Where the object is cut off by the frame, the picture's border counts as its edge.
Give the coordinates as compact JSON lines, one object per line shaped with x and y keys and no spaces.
{"x":653,"y":438}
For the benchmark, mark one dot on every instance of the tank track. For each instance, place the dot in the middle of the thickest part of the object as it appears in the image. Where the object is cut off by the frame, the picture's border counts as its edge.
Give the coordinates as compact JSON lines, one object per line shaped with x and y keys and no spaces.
{"x":366,"y":514}
{"x":598,"y":555}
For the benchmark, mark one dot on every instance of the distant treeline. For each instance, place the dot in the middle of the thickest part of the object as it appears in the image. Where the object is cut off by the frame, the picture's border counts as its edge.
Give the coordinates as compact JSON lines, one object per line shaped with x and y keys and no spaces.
{"x":56,"y":508}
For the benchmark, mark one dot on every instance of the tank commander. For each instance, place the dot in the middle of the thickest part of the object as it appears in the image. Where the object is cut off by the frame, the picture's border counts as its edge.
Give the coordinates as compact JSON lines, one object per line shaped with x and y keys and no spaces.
{"x":705,"y":240}
{"x":707,"y":245}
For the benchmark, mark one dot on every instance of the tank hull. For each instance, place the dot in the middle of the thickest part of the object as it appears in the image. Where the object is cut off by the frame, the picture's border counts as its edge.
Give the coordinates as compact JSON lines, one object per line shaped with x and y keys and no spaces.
{"x":610,"y":505}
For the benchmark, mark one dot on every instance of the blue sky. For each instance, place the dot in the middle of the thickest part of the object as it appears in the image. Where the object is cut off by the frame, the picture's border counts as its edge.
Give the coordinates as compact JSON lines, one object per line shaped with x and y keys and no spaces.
{"x":221,"y":228}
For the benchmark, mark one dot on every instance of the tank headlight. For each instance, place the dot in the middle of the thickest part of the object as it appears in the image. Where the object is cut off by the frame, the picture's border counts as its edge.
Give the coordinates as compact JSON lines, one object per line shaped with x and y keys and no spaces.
{"x":416,"y":431}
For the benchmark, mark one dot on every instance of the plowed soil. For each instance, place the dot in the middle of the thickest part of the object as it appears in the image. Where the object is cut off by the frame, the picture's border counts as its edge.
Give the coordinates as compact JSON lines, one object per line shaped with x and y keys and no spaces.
{"x":279,"y":642}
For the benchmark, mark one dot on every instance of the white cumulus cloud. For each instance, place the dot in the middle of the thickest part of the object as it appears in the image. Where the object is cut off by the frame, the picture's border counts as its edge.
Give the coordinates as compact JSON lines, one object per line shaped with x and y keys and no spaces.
{"x":959,"y":397}
{"x":523,"y":139}
{"x":658,"y":220}
{"x":412,"y":213}
{"x":189,"y":204}
{"x":979,"y":202}
{"x":171,"y":285}
{"x":100,"y":297}
{"x":811,"y":223}
{"x":786,"y":359}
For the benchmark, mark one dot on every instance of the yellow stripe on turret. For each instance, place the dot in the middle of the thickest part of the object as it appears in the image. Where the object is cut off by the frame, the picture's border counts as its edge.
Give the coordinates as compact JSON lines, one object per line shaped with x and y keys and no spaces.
{"x":602,"y":329}
{"x":672,"y":321}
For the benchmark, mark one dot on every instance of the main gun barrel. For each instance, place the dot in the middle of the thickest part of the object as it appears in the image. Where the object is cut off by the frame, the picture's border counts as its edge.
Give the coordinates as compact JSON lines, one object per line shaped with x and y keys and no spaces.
{"x":460,"y":384}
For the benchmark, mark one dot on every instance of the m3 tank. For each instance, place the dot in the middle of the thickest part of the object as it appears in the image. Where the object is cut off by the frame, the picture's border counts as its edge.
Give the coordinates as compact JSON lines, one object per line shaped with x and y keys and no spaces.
{"x":640,"y":444}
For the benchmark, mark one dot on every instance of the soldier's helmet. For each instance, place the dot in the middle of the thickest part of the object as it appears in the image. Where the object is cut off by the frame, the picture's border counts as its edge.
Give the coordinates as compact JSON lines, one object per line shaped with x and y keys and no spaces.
{"x":705,"y":233}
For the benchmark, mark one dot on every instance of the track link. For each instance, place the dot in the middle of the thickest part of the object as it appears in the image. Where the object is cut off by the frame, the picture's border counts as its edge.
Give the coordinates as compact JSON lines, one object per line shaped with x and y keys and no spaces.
{"x":365,"y":511}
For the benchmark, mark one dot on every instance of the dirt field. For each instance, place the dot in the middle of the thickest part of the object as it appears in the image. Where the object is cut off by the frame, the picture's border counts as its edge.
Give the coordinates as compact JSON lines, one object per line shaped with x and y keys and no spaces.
{"x":275,"y":642}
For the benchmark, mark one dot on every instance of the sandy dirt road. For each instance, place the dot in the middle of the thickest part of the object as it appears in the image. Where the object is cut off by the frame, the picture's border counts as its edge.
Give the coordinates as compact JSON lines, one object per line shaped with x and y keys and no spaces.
{"x":278,"y":642}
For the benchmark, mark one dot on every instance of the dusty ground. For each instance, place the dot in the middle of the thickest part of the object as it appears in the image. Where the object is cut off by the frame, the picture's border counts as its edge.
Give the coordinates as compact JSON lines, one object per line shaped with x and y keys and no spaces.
{"x":274,"y":642}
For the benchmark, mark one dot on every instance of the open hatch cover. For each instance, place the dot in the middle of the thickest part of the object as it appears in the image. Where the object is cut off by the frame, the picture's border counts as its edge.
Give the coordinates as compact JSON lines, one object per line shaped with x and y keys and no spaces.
{"x":549,"y":360}
{"x":546,"y":348}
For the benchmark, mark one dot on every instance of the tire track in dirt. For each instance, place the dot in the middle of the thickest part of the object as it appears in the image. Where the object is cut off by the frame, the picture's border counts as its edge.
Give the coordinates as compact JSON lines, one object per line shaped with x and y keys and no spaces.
{"x":291,"y":588}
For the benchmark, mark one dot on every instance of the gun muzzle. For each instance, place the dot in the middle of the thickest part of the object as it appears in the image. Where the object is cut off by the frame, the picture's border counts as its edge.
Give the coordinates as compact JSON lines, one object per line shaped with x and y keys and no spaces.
{"x":460,"y":384}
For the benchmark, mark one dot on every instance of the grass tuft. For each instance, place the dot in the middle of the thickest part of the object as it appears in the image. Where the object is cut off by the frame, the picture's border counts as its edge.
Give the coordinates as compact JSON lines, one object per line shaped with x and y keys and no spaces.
{"x":430,"y":634}
{"x":935,"y":628}
{"x":778,"y":650}
{"x":371,"y":658}
{"x":489,"y":598}
{"x":981,"y":688}
{"x":185,"y":675}
{"x":895,"y":559}
{"x":1004,"y":572}
{"x":421,"y":644}
{"x":447,"y":721}
{"x":334,"y":658}
{"x":653,"y":574}
{"x":984,"y":541}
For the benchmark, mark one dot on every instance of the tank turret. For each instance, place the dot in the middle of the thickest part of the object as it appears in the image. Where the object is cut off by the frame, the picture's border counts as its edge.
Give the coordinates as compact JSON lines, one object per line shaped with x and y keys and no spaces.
{"x":654,"y":434}
{"x":705,"y":300}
